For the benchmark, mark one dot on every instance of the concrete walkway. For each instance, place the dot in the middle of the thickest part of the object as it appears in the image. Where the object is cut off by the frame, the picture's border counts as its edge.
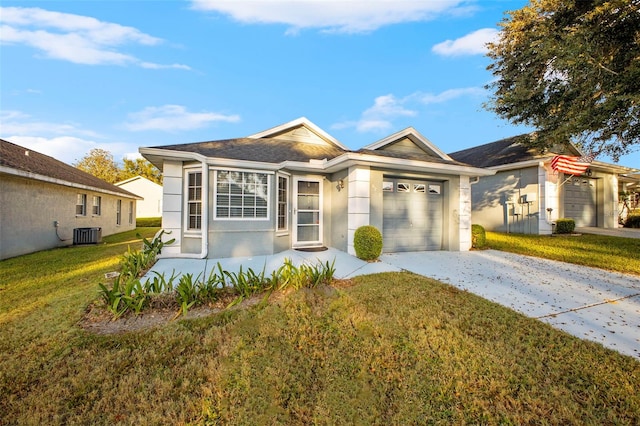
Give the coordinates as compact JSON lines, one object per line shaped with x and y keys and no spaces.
{"x":586,"y":302}
{"x":611,"y":232}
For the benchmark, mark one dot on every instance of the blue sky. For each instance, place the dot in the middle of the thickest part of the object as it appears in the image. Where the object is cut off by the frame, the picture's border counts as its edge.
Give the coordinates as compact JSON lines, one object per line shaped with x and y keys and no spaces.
{"x":118,"y":75}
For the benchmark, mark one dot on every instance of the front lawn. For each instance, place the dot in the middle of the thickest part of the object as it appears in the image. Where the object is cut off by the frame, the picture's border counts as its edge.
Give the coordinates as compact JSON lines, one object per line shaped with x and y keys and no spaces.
{"x":610,"y":253}
{"x":384,"y":349}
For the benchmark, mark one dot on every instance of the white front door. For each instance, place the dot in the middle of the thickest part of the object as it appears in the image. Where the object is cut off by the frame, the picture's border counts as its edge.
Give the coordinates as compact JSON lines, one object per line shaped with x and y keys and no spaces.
{"x":307,"y":211}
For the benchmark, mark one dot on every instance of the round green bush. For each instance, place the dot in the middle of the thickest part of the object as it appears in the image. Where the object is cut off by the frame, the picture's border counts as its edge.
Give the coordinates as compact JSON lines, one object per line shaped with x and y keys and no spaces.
{"x":565,"y":226}
{"x":367,"y":242}
{"x":478,"y":237}
{"x":633,"y":221}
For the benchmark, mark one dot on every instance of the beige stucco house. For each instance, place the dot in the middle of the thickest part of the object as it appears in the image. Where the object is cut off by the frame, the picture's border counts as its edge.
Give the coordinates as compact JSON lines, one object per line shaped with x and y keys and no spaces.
{"x":45,"y":203}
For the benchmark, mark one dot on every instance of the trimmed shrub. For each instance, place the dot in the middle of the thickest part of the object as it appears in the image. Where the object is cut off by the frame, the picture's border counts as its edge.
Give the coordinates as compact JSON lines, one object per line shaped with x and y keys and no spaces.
{"x":565,"y":226}
{"x":148,"y":222}
{"x":478,"y":237}
{"x":633,"y":221}
{"x":367,"y":242}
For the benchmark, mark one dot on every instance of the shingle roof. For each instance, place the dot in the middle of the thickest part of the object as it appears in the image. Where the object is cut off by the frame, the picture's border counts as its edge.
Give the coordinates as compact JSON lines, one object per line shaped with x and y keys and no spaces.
{"x":409,"y":156}
{"x":504,"y":151}
{"x":25,"y":160}
{"x":263,"y":150}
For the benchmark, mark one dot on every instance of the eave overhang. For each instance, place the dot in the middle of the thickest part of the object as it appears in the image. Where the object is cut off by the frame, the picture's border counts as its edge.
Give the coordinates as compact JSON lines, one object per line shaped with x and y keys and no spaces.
{"x":349,"y":159}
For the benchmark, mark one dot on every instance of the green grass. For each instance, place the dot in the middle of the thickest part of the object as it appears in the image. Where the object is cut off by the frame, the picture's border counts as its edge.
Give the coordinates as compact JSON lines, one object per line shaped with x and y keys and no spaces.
{"x":610,"y":253}
{"x":391,"y":349}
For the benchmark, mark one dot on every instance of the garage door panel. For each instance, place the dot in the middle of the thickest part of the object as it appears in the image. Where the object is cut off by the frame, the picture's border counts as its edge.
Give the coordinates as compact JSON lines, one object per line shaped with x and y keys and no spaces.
{"x":412,"y":221}
{"x":580,"y":201}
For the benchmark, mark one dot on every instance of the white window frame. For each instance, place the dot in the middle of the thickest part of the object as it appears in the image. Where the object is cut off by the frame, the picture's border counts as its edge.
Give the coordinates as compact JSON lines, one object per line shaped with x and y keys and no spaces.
{"x":287,"y":202}
{"x":81,"y":201}
{"x":248,"y":171}
{"x":96,"y":208}
{"x":118,"y":212}
{"x":188,"y":202}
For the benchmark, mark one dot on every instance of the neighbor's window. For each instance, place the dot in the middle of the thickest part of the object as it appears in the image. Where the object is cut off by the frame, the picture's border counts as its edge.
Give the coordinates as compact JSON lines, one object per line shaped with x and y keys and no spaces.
{"x":283,"y":203}
{"x":118,"y":212}
{"x":242,"y":195}
{"x":97,"y":206}
{"x":81,"y":205}
{"x":194,"y":200}
{"x":130,"y":212}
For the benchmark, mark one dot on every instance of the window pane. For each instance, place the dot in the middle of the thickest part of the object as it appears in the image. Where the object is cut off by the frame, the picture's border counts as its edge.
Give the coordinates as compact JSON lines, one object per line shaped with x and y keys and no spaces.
{"x":305,"y":187}
{"x":308,"y":202}
{"x":308,"y":218}
{"x":308,"y":233}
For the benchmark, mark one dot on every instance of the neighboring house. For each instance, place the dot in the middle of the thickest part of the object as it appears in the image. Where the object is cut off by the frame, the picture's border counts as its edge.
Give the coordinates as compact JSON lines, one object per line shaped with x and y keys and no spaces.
{"x":527,"y":196}
{"x":151,"y":192}
{"x":295,"y":186}
{"x":42,"y":201}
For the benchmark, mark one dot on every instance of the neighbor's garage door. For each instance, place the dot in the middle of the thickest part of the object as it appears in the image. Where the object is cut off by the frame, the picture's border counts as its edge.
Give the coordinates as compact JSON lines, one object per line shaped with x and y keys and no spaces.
{"x":580,"y":201}
{"x":412,"y":212}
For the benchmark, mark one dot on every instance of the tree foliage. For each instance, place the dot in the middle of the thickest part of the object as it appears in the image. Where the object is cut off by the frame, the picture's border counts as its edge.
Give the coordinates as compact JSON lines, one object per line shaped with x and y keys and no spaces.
{"x":101,"y":164}
{"x":571,"y":69}
{"x":140,"y":167}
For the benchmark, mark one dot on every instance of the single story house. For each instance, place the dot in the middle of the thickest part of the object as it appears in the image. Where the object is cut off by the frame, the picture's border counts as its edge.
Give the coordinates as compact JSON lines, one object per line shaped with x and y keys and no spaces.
{"x":151,"y":193}
{"x":45,"y":203}
{"x":295,"y":186}
{"x":526,"y":195}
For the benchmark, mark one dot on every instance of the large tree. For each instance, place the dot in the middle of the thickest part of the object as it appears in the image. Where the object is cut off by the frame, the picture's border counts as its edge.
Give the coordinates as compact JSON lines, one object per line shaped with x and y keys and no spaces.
{"x":571,"y":69}
{"x":100,"y":163}
{"x":141,"y":167}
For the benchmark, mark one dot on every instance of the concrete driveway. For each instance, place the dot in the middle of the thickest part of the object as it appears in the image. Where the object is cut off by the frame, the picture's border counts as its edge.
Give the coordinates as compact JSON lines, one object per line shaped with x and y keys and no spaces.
{"x":586,"y":302}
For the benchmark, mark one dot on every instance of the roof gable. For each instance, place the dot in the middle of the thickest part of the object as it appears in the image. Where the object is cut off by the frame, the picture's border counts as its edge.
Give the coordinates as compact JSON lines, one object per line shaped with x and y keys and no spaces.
{"x":299,"y":130}
{"x":18,"y":160}
{"x":409,"y":142}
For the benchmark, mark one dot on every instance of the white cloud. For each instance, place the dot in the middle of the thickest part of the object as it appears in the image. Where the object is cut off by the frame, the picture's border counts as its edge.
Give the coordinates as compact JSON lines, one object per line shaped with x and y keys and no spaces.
{"x":385,"y":109}
{"x":67,"y":149}
{"x":74,"y":38}
{"x":67,"y":142}
{"x":331,"y":15}
{"x":174,"y":117}
{"x":19,"y":123}
{"x":447,"y":95}
{"x":377,"y":118}
{"x":474,"y":43}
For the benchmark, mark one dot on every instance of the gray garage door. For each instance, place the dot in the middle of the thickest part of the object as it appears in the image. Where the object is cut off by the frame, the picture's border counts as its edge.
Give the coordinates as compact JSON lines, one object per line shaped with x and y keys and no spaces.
{"x":580,"y":201}
{"x":412,"y":212}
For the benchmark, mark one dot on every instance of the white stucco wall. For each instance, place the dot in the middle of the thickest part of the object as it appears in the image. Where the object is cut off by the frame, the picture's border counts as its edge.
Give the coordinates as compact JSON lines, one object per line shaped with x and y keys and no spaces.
{"x":358,"y":202}
{"x":172,"y":206}
{"x":151,"y":206}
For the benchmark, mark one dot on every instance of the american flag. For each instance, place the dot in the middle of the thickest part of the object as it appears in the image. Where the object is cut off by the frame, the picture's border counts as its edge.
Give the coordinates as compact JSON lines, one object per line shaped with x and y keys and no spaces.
{"x":571,"y":165}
